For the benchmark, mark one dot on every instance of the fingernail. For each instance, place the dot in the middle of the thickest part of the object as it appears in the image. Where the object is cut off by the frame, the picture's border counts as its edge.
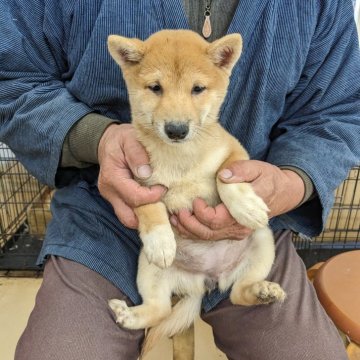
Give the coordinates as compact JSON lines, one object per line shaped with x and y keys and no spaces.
{"x":226,"y":174}
{"x":144,"y":171}
{"x":173,"y":220}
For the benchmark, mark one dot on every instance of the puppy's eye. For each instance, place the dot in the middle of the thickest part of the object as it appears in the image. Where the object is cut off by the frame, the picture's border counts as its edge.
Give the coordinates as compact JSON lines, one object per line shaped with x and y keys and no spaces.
{"x":197,"y":89}
{"x":156,"y":89}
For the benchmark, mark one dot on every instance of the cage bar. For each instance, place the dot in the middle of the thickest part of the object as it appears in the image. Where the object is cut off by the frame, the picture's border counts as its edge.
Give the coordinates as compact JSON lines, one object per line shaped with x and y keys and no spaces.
{"x":24,"y":213}
{"x":342,"y":229}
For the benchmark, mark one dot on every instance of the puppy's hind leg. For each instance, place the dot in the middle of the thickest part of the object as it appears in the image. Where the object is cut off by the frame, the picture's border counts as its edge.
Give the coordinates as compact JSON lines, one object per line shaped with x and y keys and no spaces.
{"x":256,"y":293}
{"x":251,"y":288}
{"x":155,"y":290}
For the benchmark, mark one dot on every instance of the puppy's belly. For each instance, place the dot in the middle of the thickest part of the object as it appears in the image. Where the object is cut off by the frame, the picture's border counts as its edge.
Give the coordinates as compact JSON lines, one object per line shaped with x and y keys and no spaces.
{"x":211,"y":258}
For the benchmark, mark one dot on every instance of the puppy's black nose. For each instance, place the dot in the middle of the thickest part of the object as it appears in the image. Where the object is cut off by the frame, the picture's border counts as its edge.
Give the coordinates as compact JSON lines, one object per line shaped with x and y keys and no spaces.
{"x":176,"y":131}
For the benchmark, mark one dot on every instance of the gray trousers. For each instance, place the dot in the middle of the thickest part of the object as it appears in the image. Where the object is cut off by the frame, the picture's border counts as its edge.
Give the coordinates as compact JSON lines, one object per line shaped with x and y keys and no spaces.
{"x":71,"y":319}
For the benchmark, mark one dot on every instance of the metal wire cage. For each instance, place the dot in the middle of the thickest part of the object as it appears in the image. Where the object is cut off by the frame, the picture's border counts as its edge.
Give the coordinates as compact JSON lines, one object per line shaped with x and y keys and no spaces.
{"x":24,"y":213}
{"x":342,"y":230}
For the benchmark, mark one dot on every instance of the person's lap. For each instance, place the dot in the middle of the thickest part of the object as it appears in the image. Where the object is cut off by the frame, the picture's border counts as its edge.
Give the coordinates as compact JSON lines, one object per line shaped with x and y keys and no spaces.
{"x":71,"y":319}
{"x":298,"y":329}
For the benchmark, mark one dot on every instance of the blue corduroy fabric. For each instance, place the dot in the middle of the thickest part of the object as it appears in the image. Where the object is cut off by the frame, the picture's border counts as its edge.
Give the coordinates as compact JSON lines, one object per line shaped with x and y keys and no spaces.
{"x":293,"y":100}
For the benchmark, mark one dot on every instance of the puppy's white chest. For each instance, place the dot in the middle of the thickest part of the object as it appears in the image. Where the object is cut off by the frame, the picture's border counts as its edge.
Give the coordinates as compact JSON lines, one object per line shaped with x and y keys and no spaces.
{"x":188,"y":179}
{"x":182,"y":195}
{"x":186,"y":185}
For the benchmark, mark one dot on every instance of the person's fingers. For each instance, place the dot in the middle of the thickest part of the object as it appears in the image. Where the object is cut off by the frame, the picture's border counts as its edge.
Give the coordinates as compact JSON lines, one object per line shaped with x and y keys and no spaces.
{"x":119,"y":182}
{"x":189,"y":226}
{"x":214,"y":218}
{"x":125,"y":214}
{"x":187,"y":222}
{"x":122,"y":160}
{"x":181,"y":229}
{"x":134,"y":195}
{"x":119,"y":143}
{"x":124,"y":194}
{"x":241,"y":171}
{"x":136,"y":156}
{"x":131,"y":192}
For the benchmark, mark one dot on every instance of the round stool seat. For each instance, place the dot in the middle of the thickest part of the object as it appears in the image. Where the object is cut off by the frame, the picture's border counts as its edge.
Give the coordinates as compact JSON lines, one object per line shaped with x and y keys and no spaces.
{"x":337,"y":284}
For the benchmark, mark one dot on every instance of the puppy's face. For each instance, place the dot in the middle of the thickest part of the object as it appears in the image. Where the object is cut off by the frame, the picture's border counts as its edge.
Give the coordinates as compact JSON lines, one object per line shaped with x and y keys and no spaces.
{"x":176,"y":80}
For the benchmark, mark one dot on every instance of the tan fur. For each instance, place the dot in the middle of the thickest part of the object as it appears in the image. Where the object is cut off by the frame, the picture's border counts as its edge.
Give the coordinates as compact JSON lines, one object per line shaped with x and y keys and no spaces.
{"x":152,"y":215}
{"x":180,"y":62}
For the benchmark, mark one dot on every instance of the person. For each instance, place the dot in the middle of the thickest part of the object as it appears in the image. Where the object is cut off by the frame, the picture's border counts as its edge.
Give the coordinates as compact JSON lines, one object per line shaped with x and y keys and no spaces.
{"x":293,"y":102}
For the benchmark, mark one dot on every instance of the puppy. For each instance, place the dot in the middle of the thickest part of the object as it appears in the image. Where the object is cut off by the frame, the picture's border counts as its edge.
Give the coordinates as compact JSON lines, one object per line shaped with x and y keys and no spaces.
{"x":177,"y":82}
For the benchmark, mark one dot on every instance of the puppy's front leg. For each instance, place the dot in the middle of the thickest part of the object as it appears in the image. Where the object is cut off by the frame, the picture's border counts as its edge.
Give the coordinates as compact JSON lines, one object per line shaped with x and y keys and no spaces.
{"x":244,"y":205}
{"x":156,"y":234}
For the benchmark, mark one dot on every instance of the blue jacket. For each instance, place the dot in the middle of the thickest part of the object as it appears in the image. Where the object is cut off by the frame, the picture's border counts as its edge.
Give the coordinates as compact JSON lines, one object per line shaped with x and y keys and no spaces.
{"x":293,"y":100}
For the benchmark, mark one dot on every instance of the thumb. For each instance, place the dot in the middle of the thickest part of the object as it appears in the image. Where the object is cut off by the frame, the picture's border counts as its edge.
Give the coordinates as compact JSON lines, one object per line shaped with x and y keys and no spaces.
{"x":138,"y":161}
{"x":137,"y":158}
{"x":240,"y":171}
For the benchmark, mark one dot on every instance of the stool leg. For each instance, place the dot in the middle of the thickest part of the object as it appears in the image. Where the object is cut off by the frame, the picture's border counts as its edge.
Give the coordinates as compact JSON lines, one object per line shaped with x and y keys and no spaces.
{"x":183,"y":345}
{"x":353,"y":351}
{"x":313,"y":270}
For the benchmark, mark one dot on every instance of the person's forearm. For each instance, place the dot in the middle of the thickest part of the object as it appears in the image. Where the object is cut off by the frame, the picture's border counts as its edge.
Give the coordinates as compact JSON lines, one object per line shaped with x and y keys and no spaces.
{"x":81,"y":143}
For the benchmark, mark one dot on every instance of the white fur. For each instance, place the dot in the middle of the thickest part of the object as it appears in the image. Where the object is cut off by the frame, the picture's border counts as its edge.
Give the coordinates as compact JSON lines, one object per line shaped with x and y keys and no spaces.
{"x":160,"y":245}
{"x":244,"y":205}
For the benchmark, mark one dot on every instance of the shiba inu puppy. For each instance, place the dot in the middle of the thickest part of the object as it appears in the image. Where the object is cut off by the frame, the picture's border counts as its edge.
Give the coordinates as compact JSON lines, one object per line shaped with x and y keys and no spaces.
{"x":177,"y":82}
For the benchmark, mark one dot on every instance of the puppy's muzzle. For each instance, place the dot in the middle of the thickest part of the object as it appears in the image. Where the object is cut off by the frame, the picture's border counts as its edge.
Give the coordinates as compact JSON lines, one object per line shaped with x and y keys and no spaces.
{"x":176,"y":130}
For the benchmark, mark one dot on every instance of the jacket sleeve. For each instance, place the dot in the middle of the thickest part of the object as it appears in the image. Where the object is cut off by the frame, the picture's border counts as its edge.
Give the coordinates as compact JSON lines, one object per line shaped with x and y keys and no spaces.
{"x":320,"y":129}
{"x":36,"y":108}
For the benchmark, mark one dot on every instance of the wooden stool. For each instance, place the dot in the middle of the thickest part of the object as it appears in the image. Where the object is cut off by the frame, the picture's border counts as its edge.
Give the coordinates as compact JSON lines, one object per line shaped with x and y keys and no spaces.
{"x":337,"y":284}
{"x":184,"y":345}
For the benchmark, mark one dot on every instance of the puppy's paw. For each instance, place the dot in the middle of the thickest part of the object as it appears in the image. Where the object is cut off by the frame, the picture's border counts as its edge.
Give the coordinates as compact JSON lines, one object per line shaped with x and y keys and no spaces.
{"x":244,"y":205}
{"x":123,"y":313}
{"x":160,"y":245}
{"x":261,"y":292}
{"x":250,"y":211}
{"x":268,"y":292}
{"x":253,"y":212}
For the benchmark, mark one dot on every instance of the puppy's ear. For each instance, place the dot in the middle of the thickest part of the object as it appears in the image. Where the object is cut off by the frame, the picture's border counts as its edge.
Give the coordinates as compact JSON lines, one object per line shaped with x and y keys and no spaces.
{"x":226,"y":51}
{"x":125,"y":51}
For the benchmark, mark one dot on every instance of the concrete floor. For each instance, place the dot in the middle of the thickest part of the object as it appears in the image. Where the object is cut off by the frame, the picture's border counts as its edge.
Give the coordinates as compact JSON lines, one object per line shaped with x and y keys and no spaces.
{"x":17,"y":298}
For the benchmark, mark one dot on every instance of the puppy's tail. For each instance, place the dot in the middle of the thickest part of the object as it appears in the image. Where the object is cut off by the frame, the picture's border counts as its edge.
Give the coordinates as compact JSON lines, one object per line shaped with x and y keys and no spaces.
{"x":182,"y":316}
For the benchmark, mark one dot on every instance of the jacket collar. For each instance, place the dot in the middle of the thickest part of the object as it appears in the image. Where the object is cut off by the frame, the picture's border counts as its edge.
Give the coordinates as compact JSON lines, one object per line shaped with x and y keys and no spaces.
{"x":172,"y":15}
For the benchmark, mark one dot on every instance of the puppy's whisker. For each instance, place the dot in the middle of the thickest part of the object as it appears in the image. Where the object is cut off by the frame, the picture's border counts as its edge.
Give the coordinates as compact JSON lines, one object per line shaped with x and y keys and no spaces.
{"x":204,"y":132}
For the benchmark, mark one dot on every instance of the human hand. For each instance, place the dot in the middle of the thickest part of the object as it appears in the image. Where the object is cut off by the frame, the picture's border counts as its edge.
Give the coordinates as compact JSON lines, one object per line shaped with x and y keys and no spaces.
{"x":281,"y":190}
{"x":208,"y":223}
{"x":121,"y":157}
